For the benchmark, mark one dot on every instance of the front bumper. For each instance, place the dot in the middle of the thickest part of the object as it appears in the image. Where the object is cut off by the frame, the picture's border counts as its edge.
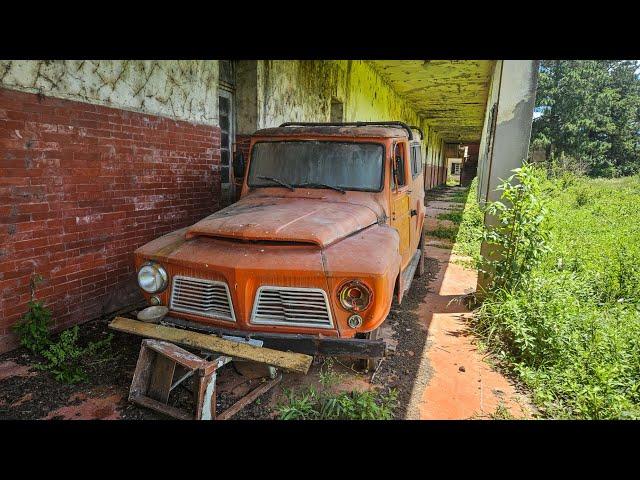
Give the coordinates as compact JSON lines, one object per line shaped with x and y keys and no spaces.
{"x":308,"y":344}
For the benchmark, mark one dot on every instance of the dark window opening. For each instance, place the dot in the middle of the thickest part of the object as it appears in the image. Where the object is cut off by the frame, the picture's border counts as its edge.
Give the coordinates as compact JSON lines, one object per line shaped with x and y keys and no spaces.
{"x":416,"y":160}
{"x":399,"y":162}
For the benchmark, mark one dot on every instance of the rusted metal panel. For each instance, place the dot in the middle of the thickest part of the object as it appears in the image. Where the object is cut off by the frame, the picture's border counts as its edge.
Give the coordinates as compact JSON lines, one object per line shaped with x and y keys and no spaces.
{"x":307,"y":344}
{"x":285,"y":220}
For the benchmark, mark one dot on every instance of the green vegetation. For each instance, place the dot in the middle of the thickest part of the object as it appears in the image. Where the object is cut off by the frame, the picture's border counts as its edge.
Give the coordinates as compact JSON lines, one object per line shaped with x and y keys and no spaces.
{"x":326,"y":404}
{"x":443,"y":232}
{"x":519,"y":235}
{"x":469,"y":235}
{"x":63,"y":358}
{"x":590,"y":115}
{"x":455,"y":217}
{"x":566,"y":316}
{"x":459,"y":196}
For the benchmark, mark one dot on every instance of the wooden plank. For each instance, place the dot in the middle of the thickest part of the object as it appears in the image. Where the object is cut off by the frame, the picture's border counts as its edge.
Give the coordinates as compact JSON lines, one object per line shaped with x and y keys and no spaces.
{"x":142,"y":373}
{"x":295,"y":362}
{"x":161,"y":378}
{"x":177,"y":354}
{"x":160,"y":407}
{"x":205,"y":408}
{"x":247,"y":399}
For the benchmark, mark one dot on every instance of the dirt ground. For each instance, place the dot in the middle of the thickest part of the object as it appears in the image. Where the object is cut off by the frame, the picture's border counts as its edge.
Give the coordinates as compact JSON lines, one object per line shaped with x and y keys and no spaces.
{"x":437,"y":368}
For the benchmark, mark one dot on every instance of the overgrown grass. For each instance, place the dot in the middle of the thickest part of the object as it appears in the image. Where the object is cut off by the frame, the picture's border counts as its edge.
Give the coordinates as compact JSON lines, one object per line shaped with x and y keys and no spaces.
{"x":324,"y":403}
{"x":455,"y":217}
{"x":572,"y":330}
{"x":443,"y":232}
{"x":469,"y":235}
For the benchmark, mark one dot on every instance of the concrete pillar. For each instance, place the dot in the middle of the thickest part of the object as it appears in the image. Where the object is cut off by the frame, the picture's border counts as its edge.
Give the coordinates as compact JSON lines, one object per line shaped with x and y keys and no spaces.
{"x":516,"y":100}
{"x":506,"y":137}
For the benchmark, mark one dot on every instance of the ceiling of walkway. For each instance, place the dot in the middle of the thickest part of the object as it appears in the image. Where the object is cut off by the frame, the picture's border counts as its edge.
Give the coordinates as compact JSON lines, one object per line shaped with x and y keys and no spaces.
{"x":451,"y":95}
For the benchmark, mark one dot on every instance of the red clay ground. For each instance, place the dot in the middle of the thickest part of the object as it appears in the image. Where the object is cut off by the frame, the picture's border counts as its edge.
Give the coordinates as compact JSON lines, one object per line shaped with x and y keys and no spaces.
{"x":437,"y":368}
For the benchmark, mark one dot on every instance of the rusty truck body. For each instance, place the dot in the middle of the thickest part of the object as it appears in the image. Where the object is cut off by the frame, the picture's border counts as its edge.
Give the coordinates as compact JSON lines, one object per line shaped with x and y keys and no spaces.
{"x":328,"y":228}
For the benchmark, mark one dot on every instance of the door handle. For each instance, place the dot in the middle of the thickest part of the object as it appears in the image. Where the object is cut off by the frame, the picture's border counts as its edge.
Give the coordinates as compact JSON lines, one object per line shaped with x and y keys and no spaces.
{"x":414,"y":213}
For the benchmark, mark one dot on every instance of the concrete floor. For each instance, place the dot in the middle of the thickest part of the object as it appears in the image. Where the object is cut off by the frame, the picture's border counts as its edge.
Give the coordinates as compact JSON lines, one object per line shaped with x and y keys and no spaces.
{"x":462,"y":383}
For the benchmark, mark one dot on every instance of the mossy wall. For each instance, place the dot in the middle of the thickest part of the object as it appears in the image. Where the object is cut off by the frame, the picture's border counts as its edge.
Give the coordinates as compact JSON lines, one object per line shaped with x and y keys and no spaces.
{"x":303,"y":90}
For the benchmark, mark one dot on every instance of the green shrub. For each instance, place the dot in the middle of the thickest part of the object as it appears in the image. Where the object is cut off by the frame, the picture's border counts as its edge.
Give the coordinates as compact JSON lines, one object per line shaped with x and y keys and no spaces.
{"x":33,"y":330}
{"x":63,"y":358}
{"x":518,"y":240}
{"x":571,"y":331}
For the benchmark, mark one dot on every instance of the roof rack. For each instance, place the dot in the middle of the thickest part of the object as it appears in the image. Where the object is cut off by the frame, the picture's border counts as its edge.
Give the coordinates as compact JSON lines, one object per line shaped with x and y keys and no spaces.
{"x":353,"y":124}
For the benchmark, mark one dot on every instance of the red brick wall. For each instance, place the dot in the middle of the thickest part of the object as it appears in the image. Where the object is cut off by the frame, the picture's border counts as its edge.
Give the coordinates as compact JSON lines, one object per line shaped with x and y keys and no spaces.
{"x":81,"y":187}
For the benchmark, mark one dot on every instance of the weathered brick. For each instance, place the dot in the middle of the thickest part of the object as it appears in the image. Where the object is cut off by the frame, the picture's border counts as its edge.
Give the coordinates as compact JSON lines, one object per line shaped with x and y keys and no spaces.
{"x":84,"y":187}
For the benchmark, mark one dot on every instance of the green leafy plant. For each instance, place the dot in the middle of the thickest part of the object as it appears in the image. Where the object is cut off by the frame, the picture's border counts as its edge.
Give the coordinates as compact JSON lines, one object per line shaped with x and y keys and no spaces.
{"x":518,"y":241}
{"x":63,"y":358}
{"x":324,"y":404}
{"x":471,"y":229}
{"x":33,"y":330}
{"x":312,"y":404}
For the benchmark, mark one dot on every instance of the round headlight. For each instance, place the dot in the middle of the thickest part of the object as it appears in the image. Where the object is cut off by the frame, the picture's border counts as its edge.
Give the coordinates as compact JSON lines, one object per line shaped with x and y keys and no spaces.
{"x":152,"y":278}
{"x":355,"y":296}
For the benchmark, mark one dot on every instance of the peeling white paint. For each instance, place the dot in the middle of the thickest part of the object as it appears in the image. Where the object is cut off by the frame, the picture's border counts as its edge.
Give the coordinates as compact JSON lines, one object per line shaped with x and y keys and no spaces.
{"x":180,"y":90}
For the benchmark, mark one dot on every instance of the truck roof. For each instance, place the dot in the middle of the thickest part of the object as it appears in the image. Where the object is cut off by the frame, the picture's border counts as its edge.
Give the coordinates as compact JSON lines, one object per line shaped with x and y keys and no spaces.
{"x":346,"y":130}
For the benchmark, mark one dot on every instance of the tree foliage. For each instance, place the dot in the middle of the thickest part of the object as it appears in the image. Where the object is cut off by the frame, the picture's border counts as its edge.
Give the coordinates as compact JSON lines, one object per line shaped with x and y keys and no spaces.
{"x":590,"y":112}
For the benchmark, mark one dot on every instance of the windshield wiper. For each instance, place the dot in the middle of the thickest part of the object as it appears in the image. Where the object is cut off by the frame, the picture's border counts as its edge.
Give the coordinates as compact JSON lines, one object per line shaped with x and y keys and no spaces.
{"x":332,"y":187}
{"x":276,"y":180}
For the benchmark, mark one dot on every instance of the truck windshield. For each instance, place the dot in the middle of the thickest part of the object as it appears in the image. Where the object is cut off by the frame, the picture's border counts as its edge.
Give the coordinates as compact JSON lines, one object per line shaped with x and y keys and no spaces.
{"x":348,"y":166}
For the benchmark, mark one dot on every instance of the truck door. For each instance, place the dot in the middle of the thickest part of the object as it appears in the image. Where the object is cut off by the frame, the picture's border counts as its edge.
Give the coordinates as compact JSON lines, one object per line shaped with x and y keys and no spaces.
{"x":416,"y":196}
{"x":400,"y":200}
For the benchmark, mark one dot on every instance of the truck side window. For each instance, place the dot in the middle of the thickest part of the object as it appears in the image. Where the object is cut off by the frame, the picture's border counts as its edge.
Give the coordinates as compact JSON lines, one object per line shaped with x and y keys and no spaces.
{"x":400,"y":167}
{"x":416,"y":160}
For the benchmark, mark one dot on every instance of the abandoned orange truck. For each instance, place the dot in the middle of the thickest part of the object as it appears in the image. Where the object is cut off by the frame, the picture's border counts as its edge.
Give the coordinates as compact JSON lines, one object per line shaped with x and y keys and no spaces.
{"x":328,"y":228}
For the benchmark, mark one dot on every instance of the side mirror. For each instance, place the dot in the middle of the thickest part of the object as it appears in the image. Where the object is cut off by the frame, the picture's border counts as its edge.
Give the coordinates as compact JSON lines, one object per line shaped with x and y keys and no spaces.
{"x":238,"y":165}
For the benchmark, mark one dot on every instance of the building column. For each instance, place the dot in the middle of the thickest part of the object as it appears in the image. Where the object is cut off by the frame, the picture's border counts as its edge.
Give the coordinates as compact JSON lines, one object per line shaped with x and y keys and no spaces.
{"x":511,"y":102}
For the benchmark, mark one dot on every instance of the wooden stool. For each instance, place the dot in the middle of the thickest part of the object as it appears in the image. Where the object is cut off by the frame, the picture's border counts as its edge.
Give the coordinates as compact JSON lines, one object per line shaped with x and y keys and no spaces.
{"x":153,"y":380}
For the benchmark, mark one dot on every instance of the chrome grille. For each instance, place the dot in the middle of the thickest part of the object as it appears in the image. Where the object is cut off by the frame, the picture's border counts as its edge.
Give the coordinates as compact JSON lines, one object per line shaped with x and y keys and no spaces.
{"x":299,"y":307}
{"x":207,"y":298}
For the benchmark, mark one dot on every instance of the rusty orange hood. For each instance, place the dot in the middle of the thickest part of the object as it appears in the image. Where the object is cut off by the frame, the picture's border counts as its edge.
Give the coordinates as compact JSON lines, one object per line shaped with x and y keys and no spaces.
{"x":286,"y":219}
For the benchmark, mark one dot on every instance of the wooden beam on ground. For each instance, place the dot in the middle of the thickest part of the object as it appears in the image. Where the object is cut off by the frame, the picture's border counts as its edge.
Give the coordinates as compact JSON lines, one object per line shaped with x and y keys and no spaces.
{"x":295,"y":362}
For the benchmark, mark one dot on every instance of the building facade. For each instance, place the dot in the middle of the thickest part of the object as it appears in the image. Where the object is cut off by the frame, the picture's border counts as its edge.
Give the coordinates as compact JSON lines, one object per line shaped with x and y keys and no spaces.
{"x":100,"y":157}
